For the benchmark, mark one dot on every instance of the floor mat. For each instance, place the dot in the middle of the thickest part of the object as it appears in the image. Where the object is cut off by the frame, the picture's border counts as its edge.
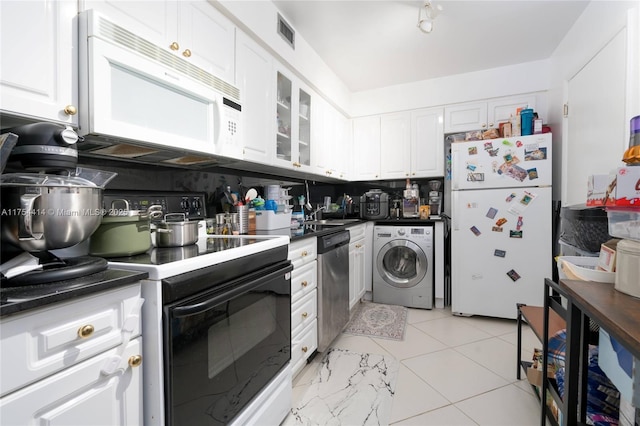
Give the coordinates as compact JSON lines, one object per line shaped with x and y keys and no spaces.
{"x":350,"y":388}
{"x":378,"y":320}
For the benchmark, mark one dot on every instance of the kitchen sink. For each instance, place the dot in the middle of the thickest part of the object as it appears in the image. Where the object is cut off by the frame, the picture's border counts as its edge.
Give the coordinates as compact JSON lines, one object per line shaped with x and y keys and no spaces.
{"x":331,"y":222}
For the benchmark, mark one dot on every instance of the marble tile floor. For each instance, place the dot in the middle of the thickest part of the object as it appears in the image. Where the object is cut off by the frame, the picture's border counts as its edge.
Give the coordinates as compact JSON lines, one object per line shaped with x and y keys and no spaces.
{"x":453,"y":371}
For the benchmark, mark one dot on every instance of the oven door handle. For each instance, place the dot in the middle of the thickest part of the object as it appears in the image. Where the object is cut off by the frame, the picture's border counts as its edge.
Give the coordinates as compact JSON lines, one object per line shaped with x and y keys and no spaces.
{"x":238,"y":289}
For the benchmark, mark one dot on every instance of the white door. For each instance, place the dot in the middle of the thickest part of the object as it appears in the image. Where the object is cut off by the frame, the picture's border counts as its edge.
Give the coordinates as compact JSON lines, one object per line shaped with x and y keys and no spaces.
{"x":501,"y":249}
{"x":497,"y":163}
{"x":395,"y":145}
{"x":427,"y":143}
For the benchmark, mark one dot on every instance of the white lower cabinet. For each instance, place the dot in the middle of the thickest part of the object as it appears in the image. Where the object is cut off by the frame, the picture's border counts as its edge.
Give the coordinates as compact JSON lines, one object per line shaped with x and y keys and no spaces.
{"x":304,"y":302}
{"x":357,"y":249}
{"x":75,"y":362}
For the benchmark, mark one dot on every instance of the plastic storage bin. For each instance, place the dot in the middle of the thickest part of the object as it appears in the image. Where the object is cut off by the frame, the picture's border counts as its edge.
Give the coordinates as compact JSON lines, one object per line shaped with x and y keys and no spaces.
{"x":624,"y":223}
{"x":582,"y":268}
{"x":267,"y":220}
{"x":584,"y":228}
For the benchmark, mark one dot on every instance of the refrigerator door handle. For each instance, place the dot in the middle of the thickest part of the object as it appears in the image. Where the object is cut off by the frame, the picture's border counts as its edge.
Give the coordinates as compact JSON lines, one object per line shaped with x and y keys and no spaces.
{"x":455,"y":175}
{"x":455,"y":213}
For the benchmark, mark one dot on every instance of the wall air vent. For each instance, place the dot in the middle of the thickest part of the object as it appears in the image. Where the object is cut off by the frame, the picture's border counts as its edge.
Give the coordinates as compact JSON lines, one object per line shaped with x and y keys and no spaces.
{"x":286,"y":32}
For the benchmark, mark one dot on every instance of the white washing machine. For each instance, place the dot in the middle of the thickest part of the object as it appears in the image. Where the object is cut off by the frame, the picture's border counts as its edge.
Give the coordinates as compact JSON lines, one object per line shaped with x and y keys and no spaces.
{"x":403,"y":265}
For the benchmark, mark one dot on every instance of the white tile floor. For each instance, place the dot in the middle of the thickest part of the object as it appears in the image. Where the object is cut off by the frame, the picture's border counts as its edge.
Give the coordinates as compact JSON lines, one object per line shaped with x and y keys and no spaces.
{"x":453,"y":371}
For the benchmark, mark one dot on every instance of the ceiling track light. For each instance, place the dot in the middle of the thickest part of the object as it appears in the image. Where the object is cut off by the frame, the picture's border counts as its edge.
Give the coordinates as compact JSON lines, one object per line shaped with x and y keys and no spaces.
{"x":426,"y":15}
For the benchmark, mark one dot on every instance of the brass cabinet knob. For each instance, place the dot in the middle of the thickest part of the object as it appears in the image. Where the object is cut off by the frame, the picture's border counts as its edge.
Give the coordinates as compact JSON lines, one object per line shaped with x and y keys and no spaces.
{"x":304,"y":283}
{"x":174,"y":46}
{"x":86,"y":331}
{"x":304,"y":253}
{"x":70,"y":110}
{"x":358,"y":245}
{"x":305,"y":349}
{"x":304,"y":315}
{"x":484,"y":125}
{"x":490,"y":124}
{"x":186,"y":53}
{"x":135,"y":360}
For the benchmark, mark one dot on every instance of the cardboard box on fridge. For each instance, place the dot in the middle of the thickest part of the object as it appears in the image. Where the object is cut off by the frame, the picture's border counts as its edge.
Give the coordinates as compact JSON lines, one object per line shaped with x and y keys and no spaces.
{"x":624,"y":188}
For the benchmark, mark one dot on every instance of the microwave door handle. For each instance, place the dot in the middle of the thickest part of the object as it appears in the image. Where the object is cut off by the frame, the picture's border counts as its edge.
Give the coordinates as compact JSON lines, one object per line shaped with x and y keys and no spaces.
{"x":217,"y":119}
{"x":237,"y":290}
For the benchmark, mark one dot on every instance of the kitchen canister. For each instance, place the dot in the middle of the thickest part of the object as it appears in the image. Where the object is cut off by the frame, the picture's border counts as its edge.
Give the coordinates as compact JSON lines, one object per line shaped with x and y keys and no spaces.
{"x":526,"y":118}
{"x":628,"y":267}
{"x":243,"y":219}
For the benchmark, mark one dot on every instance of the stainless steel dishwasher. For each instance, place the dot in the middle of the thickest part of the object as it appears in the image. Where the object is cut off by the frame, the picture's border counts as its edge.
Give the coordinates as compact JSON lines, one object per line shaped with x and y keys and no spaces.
{"x":333,"y":286}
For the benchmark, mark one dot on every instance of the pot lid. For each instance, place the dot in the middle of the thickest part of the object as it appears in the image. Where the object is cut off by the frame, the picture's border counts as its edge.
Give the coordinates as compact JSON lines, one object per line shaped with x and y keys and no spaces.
{"x":37,"y":179}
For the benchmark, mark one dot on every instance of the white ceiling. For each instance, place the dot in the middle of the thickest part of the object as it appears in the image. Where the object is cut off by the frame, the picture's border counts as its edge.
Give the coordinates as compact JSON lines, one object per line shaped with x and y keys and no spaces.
{"x":372,"y":44}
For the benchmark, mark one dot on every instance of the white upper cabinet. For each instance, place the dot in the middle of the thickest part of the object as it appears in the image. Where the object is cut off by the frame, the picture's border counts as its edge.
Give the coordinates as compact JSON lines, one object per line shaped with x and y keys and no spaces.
{"x":254,"y":78}
{"x":38,"y":67}
{"x":331,"y":141}
{"x":194,"y":30}
{"x":484,"y":114}
{"x":427,"y":143}
{"x":366,"y":146}
{"x":395,"y":145}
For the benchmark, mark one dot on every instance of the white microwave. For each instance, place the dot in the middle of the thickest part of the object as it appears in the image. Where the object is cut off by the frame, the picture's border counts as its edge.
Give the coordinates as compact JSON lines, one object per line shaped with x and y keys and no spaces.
{"x":132,"y":90}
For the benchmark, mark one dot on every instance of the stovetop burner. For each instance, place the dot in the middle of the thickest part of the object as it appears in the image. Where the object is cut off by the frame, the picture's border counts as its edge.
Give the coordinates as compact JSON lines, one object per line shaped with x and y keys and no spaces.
{"x":55,"y":269}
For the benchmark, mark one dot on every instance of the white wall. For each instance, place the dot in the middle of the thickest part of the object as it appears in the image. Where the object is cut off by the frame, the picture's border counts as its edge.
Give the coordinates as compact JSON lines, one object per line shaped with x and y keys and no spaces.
{"x":598,"y":24}
{"x":505,"y":81}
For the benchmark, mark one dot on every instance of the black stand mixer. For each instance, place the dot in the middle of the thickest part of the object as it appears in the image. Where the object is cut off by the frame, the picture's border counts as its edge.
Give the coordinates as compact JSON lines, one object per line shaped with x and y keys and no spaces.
{"x":48,"y":203}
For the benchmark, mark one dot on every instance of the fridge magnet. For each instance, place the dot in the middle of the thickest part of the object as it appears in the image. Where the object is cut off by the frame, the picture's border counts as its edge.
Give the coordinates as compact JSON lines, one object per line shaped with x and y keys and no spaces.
{"x":496,"y":228}
{"x":535,"y":154}
{"x":475,"y":231}
{"x":472,"y":205}
{"x":511,"y":197}
{"x":513,"y":275}
{"x":518,"y":208}
{"x":501,"y":221}
{"x":471,"y":167}
{"x":492,"y":213}
{"x":519,"y":223}
{"x":488,"y":146}
{"x":475,"y":177}
{"x":515,"y":233}
{"x":507,"y":142}
{"x":508,"y":158}
{"x":493,"y":152}
{"x":533,"y":174}
{"x":473,"y":150}
{"x":494,"y":166}
{"x":527,"y":198}
{"x":516,"y":172}
{"x":499,"y":253}
{"x":519,"y":144}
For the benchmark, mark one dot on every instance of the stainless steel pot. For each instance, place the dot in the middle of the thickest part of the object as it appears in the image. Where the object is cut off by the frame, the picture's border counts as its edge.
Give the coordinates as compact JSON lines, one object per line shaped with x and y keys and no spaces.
{"x":43,"y":212}
{"x":123,"y":232}
{"x":175,"y":233}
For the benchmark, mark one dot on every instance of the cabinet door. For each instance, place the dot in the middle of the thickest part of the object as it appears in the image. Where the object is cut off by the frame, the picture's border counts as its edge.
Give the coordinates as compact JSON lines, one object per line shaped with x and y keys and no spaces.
{"x":366,"y":143}
{"x":427,"y":143}
{"x":321,"y":148}
{"x":82,"y":395}
{"x":207,"y":38}
{"x":395,"y":145}
{"x":286,"y":103}
{"x":501,"y":110}
{"x":254,"y":74}
{"x":356,"y":272}
{"x":464,"y":117}
{"x":38,"y":40}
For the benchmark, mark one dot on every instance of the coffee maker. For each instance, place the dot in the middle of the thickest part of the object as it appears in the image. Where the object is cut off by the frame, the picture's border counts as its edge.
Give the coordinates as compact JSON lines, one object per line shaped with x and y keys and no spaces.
{"x":435,"y":197}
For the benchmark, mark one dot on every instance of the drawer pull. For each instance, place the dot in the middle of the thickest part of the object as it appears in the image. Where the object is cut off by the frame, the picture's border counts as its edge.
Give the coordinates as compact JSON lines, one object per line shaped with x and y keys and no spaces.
{"x":304,"y":253}
{"x":305,"y":349}
{"x":186,"y":53}
{"x":135,"y":360}
{"x":86,"y":331}
{"x":304,"y":315}
{"x":174,"y":46}
{"x":304,"y":283}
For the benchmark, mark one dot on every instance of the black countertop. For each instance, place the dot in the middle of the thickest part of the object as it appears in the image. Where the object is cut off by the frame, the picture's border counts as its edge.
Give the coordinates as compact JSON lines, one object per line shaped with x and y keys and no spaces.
{"x":15,"y":300}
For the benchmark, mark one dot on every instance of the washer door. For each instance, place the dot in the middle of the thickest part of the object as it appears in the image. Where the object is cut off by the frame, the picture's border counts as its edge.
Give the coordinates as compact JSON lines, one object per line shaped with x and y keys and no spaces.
{"x":402,"y":263}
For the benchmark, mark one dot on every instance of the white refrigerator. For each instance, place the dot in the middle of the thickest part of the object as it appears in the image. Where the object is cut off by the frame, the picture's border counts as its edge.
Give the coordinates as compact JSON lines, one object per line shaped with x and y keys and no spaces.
{"x":501,"y":224}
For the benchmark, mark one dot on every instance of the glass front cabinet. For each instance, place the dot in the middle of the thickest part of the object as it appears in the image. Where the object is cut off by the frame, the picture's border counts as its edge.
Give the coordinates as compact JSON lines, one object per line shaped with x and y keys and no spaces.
{"x":293,"y":123}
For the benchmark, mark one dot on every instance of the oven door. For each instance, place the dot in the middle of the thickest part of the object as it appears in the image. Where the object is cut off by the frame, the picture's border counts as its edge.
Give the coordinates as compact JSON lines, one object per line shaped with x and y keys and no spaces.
{"x":224,"y":345}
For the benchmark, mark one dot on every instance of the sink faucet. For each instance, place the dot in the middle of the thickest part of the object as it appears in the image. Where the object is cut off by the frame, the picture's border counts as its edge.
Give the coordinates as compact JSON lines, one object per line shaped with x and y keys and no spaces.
{"x":312,"y":215}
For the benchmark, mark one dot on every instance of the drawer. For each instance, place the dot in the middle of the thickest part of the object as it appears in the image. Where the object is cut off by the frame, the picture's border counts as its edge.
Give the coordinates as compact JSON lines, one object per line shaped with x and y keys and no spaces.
{"x":303,"y":251}
{"x":303,"y":346}
{"x":38,"y":344}
{"x":303,"y":312}
{"x":357,"y":232}
{"x":304,"y":280}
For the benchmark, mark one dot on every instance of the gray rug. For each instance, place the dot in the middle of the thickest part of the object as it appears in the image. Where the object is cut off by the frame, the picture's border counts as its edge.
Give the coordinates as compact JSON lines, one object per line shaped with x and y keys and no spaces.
{"x":378,"y":320}
{"x":349,"y":389}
